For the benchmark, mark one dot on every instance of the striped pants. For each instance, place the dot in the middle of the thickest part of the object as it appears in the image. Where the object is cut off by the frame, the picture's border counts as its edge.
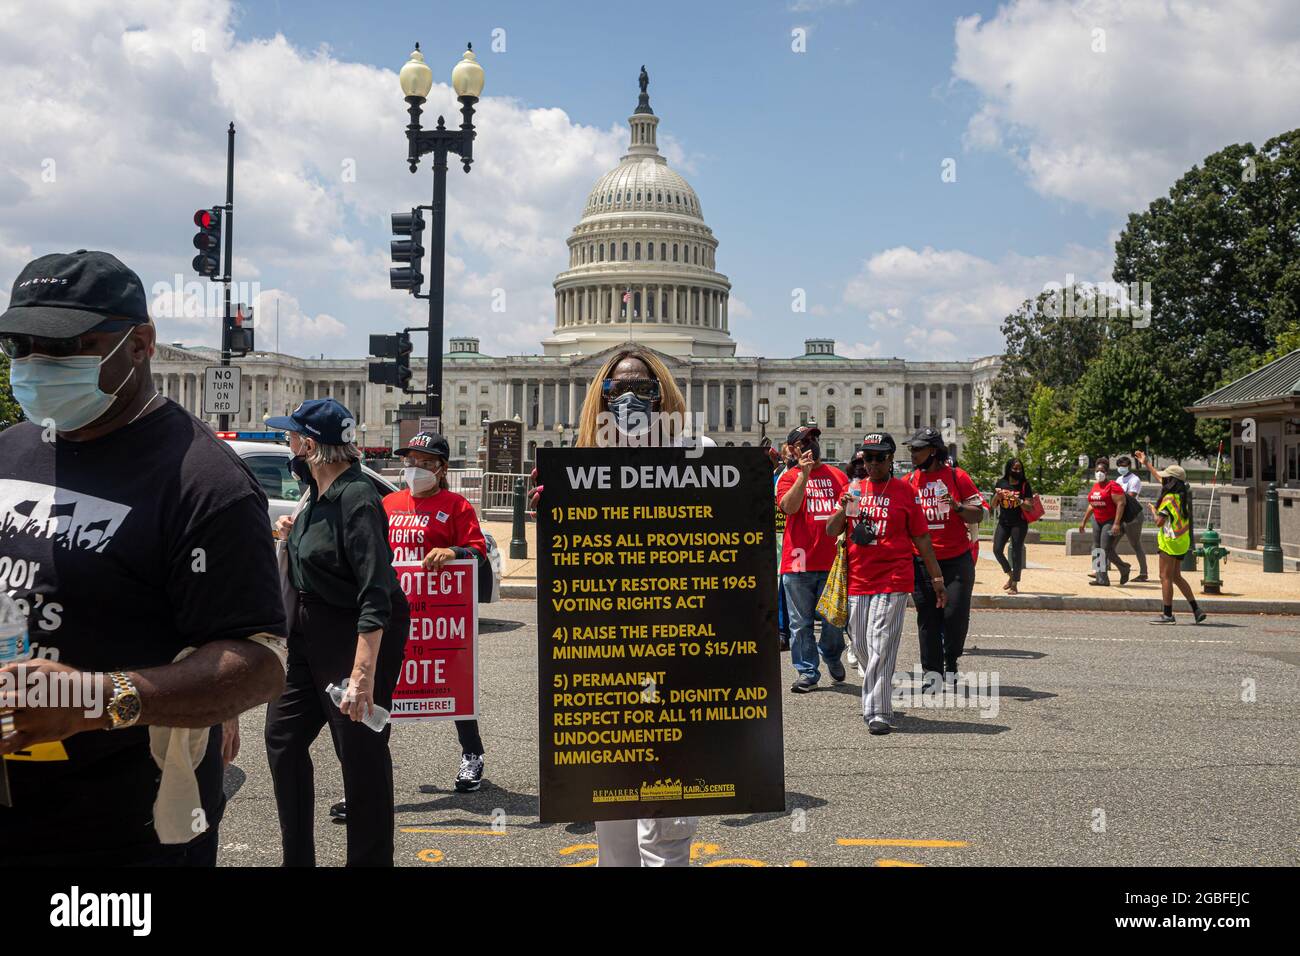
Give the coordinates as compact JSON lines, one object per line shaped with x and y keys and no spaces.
{"x":876,"y":627}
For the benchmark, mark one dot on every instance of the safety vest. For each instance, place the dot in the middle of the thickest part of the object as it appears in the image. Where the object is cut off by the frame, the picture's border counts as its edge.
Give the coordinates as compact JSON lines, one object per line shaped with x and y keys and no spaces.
{"x":1178,"y":524}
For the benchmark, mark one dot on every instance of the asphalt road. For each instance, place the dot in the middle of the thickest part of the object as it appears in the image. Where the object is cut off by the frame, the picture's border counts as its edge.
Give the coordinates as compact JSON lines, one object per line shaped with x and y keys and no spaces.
{"x":1113,"y":743}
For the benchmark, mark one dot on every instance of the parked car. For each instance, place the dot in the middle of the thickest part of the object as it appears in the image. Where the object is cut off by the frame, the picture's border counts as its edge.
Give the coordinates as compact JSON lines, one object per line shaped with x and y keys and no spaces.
{"x":269,"y":463}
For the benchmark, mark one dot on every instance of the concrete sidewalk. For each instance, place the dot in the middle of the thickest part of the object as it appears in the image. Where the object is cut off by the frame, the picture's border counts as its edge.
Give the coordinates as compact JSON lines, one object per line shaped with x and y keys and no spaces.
{"x":1051,"y":580}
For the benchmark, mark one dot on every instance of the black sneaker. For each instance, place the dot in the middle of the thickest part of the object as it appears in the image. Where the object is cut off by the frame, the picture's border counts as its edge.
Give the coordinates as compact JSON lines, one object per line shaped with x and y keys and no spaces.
{"x":1163,"y":619}
{"x":803,"y":686}
{"x":471,"y":772}
{"x":1124,"y":572}
{"x":1099,"y":584}
{"x":785,"y":642}
{"x":339,"y":812}
{"x":878,"y":726}
{"x":1198,"y":615}
{"x":836,"y":670}
{"x":1141,"y":577}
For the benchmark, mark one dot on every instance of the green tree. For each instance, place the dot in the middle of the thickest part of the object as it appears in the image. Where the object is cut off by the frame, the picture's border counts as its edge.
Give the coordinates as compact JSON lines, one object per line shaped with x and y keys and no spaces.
{"x":1050,"y":465}
{"x":1046,"y":346}
{"x":1222,"y":255}
{"x":10,"y":413}
{"x":1129,"y":398}
{"x":979,"y":449}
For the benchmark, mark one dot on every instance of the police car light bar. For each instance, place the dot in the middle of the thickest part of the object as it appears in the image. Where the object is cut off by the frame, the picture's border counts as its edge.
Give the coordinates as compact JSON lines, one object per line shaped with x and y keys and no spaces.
{"x":251,"y":436}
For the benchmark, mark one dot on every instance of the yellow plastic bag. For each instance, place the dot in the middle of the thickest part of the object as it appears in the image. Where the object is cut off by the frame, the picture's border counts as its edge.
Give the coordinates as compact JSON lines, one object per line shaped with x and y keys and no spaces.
{"x":833,"y":605}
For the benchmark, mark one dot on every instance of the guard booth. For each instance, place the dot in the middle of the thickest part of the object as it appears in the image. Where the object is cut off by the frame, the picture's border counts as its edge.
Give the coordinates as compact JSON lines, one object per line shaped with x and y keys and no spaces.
{"x":1264,"y":409}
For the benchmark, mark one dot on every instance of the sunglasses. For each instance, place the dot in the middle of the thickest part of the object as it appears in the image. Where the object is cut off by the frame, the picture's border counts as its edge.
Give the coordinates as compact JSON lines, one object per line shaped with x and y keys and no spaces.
{"x":646,"y":388}
{"x":19,"y":346}
{"x":874,"y":456}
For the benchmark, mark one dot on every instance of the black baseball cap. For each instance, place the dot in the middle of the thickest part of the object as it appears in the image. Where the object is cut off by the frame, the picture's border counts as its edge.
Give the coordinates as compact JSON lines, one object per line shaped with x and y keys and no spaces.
{"x":879,"y":442}
{"x":67,"y":293}
{"x":431,"y":443}
{"x":324,"y":419}
{"x":926,"y":437}
{"x":801,"y":432}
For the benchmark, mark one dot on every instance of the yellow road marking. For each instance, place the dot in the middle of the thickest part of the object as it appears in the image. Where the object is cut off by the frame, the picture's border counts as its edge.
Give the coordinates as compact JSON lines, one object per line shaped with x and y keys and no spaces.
{"x":462,"y":831}
{"x":735,"y":862}
{"x":704,"y":849}
{"x":896,"y":863}
{"x":565,"y":851}
{"x":430,"y":856}
{"x":851,"y":841}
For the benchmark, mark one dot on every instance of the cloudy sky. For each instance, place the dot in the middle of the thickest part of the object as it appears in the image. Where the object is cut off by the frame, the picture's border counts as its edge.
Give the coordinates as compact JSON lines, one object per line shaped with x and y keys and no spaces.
{"x":819,"y":170}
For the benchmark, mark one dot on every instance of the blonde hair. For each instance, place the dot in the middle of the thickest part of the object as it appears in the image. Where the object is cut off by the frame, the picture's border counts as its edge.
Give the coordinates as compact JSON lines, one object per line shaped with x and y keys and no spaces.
{"x":332,"y":454}
{"x":670,"y":396}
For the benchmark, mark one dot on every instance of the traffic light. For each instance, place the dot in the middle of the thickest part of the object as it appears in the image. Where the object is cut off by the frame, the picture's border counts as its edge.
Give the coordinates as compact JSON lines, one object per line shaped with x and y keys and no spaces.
{"x":241,"y":331}
{"x":208,"y":242}
{"x":398,"y":348}
{"x":408,"y":251}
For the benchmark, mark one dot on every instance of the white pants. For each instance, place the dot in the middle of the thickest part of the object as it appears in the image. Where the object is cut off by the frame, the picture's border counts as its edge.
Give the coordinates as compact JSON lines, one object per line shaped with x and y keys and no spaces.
{"x":660,"y":841}
{"x":875,"y":628}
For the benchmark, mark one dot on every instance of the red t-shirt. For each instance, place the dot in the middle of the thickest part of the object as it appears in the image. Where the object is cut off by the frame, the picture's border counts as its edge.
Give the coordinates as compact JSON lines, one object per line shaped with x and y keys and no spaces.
{"x":418,"y":525}
{"x":948,"y":531}
{"x":885,"y":565}
{"x":1102,"y":505}
{"x":805,"y":546}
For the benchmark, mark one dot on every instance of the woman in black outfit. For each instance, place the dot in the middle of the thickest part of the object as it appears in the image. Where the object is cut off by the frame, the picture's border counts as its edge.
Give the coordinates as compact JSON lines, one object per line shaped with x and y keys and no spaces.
{"x":348,"y":618}
{"x":1012,"y":496}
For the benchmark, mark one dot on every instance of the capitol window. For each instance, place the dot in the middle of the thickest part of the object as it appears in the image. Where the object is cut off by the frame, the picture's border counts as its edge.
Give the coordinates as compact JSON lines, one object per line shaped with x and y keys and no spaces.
{"x":830,"y":416}
{"x":638,"y":251}
{"x":625,"y":252}
{"x":638,"y":195}
{"x":602,"y":252}
{"x":857,"y":419}
{"x":650,"y":250}
{"x":674,"y":252}
{"x":661,"y":197}
{"x":663,"y":250}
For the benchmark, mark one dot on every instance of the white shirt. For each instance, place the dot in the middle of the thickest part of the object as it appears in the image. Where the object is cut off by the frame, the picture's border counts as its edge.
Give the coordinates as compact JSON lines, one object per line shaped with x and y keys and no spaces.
{"x":1131,"y":483}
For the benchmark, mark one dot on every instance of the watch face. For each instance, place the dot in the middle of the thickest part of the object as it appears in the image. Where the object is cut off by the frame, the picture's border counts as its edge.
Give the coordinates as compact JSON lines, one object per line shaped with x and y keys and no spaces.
{"x":127,"y":709}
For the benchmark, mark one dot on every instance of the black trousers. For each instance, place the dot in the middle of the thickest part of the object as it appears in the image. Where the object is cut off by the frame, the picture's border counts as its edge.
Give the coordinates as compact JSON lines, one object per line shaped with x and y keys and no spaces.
{"x":322,"y":648}
{"x":467,"y":734}
{"x":942,"y":633}
{"x":1015,"y":533}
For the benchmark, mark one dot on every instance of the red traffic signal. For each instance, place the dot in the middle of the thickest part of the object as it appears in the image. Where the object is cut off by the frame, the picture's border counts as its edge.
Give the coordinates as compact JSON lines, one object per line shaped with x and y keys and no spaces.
{"x":208,"y":242}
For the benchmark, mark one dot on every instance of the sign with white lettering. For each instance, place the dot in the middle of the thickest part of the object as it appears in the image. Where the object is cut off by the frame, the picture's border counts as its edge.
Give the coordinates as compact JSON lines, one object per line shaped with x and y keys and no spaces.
{"x":439,"y":677}
{"x":221,"y":390}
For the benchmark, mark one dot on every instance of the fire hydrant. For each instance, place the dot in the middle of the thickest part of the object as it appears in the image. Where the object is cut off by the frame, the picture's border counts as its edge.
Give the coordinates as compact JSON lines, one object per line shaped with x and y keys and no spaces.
{"x":1213,"y":553}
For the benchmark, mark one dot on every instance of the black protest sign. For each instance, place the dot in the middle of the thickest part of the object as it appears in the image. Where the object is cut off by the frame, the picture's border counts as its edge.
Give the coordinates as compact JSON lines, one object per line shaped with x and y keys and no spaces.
{"x":658,"y":661}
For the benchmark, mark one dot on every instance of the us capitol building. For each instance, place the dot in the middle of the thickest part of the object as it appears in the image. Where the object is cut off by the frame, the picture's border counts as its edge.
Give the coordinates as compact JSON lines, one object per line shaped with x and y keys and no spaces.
{"x":642,"y":268}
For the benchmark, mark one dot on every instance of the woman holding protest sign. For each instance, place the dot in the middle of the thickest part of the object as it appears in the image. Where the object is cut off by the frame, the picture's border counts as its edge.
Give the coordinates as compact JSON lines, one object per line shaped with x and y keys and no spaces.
{"x":885,"y":522}
{"x":634,"y":402}
{"x":430,"y":523}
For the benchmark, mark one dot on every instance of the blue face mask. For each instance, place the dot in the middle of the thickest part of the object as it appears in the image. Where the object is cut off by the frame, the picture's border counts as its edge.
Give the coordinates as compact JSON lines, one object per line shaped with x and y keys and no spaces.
{"x":631,"y":413}
{"x":63,"y":390}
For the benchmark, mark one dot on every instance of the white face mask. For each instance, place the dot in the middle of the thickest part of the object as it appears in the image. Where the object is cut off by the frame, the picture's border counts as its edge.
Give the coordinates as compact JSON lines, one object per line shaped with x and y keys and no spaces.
{"x":1101,"y":476}
{"x":1122,"y":469}
{"x":420,"y":480}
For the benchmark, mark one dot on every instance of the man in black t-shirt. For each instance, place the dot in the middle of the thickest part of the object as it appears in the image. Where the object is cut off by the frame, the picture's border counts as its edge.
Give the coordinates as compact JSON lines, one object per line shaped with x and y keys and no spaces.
{"x":140,"y":536}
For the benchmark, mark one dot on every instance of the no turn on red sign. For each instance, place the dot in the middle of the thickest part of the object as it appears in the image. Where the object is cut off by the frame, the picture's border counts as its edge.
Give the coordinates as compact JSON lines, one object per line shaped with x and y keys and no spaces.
{"x":221,"y":391}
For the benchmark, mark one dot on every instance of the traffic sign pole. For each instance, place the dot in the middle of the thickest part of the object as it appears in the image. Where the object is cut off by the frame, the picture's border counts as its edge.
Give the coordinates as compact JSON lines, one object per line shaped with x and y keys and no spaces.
{"x":223,"y":421}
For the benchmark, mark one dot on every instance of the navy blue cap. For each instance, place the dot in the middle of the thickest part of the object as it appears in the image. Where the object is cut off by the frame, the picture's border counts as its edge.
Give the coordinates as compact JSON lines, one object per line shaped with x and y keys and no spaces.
{"x":926,"y":438}
{"x":67,"y":293}
{"x":878,"y":442}
{"x":324,"y":419}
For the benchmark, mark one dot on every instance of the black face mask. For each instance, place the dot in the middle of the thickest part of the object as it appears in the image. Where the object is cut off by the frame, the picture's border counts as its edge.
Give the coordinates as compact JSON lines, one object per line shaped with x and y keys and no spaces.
{"x":299,"y":468}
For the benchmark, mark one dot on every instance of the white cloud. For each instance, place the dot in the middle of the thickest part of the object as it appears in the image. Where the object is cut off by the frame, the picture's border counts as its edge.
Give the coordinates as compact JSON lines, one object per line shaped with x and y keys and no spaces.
{"x":934,"y":304}
{"x":133,"y":117}
{"x":1178,"y":80}
{"x":858,"y":349}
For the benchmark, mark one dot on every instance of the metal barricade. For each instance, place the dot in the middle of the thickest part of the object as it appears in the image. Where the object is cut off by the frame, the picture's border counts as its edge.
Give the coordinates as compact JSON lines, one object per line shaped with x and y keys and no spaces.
{"x":497,"y":490}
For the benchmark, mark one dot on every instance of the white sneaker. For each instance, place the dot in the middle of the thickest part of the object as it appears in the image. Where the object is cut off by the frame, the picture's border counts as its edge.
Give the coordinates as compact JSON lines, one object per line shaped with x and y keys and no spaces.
{"x":848,"y":653}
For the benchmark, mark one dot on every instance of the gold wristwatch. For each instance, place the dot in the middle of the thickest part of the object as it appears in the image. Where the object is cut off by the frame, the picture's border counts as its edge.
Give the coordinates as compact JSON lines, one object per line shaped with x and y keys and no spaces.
{"x":123,"y":707}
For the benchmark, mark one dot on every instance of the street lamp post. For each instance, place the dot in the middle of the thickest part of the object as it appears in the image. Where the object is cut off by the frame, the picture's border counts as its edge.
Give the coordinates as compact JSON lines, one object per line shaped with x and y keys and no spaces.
{"x":764,"y":416}
{"x":417,"y":79}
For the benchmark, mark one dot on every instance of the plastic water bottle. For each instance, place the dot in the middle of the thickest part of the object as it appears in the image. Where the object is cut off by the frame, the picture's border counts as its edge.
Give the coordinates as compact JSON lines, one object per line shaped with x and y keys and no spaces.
{"x":378,"y":717}
{"x":854,"y":507}
{"x":13,"y":631}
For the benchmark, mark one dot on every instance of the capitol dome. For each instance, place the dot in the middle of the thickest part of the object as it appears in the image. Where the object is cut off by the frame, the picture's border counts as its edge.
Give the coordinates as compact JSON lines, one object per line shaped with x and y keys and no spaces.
{"x":642,"y":261}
